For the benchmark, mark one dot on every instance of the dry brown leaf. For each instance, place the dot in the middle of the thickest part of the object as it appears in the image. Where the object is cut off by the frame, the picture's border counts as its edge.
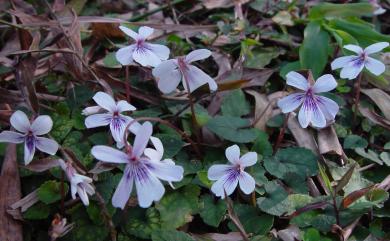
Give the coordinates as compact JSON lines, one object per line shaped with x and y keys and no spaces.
{"x":26,"y":202}
{"x":10,"y":229}
{"x":374,"y":117}
{"x":381,"y":99}
{"x":263,"y":109}
{"x":42,"y":165}
{"x":328,"y":141}
{"x":302,"y":136}
{"x":291,"y":233}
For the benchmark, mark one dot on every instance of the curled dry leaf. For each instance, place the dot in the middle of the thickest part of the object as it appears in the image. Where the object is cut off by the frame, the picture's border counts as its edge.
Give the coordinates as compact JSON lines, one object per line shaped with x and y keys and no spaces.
{"x":328,"y":141}
{"x":381,"y":99}
{"x":374,"y":117}
{"x":291,"y":233}
{"x":10,"y":192}
{"x":42,"y":165}
{"x":303,"y":137}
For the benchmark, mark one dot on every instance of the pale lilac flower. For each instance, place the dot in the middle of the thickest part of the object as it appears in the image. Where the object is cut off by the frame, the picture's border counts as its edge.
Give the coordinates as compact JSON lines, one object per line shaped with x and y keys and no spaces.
{"x":142,"y":52}
{"x":78,"y":183}
{"x":143,"y":166}
{"x":112,"y":117}
{"x":378,"y":10}
{"x":354,"y":64}
{"x":169,"y":73}
{"x":30,"y":135}
{"x":315,"y":109}
{"x":227,"y":176}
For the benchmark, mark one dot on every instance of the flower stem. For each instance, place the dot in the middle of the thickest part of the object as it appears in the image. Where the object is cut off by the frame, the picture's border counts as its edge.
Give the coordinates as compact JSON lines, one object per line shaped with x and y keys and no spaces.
{"x":281,"y":133}
{"x":127,"y":84}
{"x":357,"y":98}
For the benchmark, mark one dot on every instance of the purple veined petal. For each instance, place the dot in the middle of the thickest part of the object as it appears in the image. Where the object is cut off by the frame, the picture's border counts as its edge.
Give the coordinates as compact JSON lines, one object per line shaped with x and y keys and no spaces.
{"x":123,"y":105}
{"x":197,"y":54}
{"x":341,"y":62}
{"x":246,"y":182}
{"x":375,"y":48}
{"x":41,"y":125}
{"x":324,"y":83}
{"x":46,"y":145}
{"x":289,"y":103}
{"x":305,"y":113}
{"x":149,"y":188}
{"x":196,"y":78}
{"x":351,"y":71}
{"x":142,"y":138}
{"x":354,"y":48}
{"x":82,"y":194}
{"x":123,"y":191}
{"x":125,"y":55}
{"x":118,"y":126}
{"x":248,"y":159}
{"x":297,"y":80}
{"x":227,"y":183}
{"x":29,"y":149}
{"x":91,"y":110}
{"x":217,"y":171}
{"x":129,"y":32}
{"x":166,"y":171}
{"x":11,"y":136}
{"x":232,"y":153}
{"x":97,"y":120}
{"x":145,"y":31}
{"x":146,"y":57}
{"x":167,"y":75}
{"x":20,"y":121}
{"x":105,"y":101}
{"x":109,"y":154}
{"x":375,"y":66}
{"x":160,"y":50}
{"x":328,"y":107}
{"x":317,"y":117}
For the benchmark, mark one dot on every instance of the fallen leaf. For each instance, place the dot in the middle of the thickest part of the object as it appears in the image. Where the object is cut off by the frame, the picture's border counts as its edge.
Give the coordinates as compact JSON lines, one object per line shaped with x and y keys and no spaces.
{"x":302,"y":136}
{"x":380,"y":98}
{"x":328,"y":142}
{"x":374,"y":117}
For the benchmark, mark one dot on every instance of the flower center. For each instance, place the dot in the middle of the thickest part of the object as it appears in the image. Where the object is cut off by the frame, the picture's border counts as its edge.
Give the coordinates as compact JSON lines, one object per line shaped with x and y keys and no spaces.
{"x":182,"y":64}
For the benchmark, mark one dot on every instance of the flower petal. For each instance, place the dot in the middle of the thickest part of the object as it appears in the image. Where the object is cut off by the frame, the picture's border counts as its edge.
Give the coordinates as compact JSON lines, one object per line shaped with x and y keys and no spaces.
{"x":29,"y":149}
{"x":129,"y":32}
{"x":215,"y":172}
{"x":328,"y":107}
{"x":149,"y":188}
{"x":375,"y":48}
{"x":157,"y":153}
{"x":123,"y":105}
{"x":225,"y":184}
{"x":351,"y":71}
{"x":20,"y":121}
{"x":83,"y":195}
{"x":166,"y":171}
{"x":354,"y":48}
{"x":41,"y":125}
{"x":145,"y":31}
{"x":91,"y":110}
{"x":342,"y":62}
{"x":109,"y":154}
{"x":105,"y":101}
{"x":160,"y":50}
{"x":324,"y":83}
{"x":305,"y":113}
{"x":297,"y":80}
{"x":247,"y":183}
{"x":375,"y":66}
{"x":125,"y":55}
{"x":248,"y":159}
{"x":167,"y":75}
{"x":197,"y":78}
{"x":96,"y":120}
{"x":291,"y":102}
{"x":232,"y":153}
{"x":146,"y":57}
{"x":142,"y":138}
{"x":11,"y":136}
{"x":118,"y":126}
{"x":311,"y":113}
{"x":46,"y":145}
{"x":197,"y":54}
{"x":73,"y":190}
{"x":123,"y":191}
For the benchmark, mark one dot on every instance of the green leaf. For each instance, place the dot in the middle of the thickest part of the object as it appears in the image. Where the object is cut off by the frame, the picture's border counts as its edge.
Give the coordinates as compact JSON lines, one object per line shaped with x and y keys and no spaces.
{"x":37,"y":211}
{"x":313,"y":234}
{"x":332,"y":10}
{"x":61,"y":127}
{"x":354,"y":141}
{"x":232,"y":128}
{"x":370,"y":155}
{"x":213,"y":210}
{"x":202,"y":175}
{"x":110,"y":61}
{"x":172,"y":144}
{"x":313,"y":53}
{"x":143,"y":222}
{"x":275,"y":201}
{"x":177,"y":208}
{"x":297,"y":160}
{"x":171,"y":235}
{"x":377,"y":195}
{"x":292,"y":66}
{"x":235,"y":104}
{"x":50,"y":191}
{"x":253,"y":221}
{"x":385,"y":157}
{"x":258,"y":59}
{"x":261,"y":145}
{"x":345,"y":179}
